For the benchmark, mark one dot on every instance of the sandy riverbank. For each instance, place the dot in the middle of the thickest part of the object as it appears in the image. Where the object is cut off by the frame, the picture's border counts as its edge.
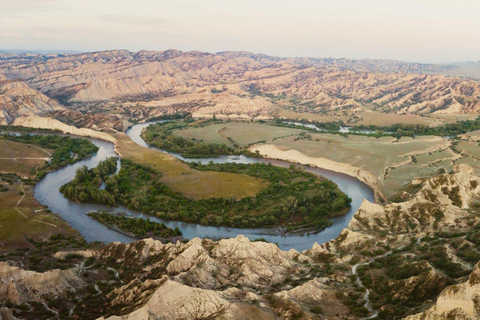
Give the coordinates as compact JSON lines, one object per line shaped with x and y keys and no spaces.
{"x":49,"y":123}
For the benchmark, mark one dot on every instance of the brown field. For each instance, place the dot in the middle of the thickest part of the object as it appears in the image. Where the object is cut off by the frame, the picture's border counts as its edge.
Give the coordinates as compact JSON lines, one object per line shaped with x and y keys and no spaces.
{"x":375,"y":155}
{"x":369,"y":117}
{"x":18,"y":223}
{"x":192,"y":183}
{"x":451,"y":118}
{"x":11,"y":154}
{"x":386,"y":119}
{"x":471,"y":148}
{"x":242,"y":133}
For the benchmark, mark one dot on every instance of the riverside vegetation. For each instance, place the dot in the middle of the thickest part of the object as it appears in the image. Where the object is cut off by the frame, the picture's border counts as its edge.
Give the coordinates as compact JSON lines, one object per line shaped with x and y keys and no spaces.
{"x":161,"y":135}
{"x":293,"y":198}
{"x":27,"y":158}
{"x":68,"y":150}
{"x":139,"y":227}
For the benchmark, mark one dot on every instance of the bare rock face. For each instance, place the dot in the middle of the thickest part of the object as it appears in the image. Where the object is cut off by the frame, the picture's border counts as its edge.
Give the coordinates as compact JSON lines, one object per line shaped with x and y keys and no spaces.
{"x":20,"y":285}
{"x":173,"y":300}
{"x":456,"y":302}
{"x":17,"y":99}
{"x":439,"y":202}
{"x":236,"y":85}
{"x":7,"y":314}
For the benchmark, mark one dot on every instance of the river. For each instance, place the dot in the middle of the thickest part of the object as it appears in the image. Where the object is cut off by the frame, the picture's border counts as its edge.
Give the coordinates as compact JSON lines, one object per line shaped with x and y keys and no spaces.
{"x":47,"y":193}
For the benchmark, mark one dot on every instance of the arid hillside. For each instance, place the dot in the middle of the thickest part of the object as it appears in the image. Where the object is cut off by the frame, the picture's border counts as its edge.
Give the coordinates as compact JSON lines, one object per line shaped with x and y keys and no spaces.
{"x":416,"y":259}
{"x":17,"y":98}
{"x":144,"y":84}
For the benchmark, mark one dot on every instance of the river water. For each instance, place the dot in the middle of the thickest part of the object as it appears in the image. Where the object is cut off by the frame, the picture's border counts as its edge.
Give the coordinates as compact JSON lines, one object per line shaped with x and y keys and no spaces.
{"x":47,"y":193}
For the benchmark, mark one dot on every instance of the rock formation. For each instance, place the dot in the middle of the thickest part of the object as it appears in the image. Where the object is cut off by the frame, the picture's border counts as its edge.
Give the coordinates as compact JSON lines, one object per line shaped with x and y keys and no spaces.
{"x":230,"y":84}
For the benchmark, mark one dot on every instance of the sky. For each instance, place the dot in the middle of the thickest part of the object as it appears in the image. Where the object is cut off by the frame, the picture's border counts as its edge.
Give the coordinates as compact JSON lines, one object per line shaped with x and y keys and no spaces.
{"x":435,"y":31}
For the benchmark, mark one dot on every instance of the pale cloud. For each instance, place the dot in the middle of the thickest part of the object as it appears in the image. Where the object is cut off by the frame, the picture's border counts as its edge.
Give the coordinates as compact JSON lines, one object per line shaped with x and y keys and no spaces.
{"x":133,"y":20}
{"x":11,"y":35}
{"x":420,"y":30}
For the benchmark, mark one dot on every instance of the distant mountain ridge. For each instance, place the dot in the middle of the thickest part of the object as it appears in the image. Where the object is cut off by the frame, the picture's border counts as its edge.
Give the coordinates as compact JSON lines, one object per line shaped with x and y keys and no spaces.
{"x":240,"y":84}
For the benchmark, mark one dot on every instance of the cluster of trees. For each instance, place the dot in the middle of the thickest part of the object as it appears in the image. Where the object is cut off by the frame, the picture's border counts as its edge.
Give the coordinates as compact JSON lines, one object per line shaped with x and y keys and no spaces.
{"x":138,"y":226}
{"x":26,"y":129}
{"x":396,"y":130}
{"x":86,"y":185}
{"x":172,"y":116}
{"x":67,"y":150}
{"x":449,"y":129}
{"x":292,"y":198}
{"x":160,"y":135}
{"x":328,"y":126}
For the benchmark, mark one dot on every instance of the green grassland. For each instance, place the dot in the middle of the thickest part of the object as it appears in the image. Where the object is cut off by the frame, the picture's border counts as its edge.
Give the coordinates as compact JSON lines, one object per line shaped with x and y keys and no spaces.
{"x":231,"y":133}
{"x":187,"y":181}
{"x":294,"y":199}
{"x":395,"y":162}
{"x":22,"y":217}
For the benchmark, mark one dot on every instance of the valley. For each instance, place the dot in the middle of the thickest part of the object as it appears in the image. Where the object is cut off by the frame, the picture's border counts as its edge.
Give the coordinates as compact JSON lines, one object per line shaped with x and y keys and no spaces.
{"x":213,"y":186}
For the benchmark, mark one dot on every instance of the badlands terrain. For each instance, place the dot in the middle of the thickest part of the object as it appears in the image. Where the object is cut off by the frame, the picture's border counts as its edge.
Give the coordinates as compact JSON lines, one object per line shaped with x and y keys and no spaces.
{"x":139,"y":85}
{"x":412,"y":252}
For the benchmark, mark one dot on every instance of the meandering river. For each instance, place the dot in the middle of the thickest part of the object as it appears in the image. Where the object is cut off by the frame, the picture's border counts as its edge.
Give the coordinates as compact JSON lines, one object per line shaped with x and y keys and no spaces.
{"x":47,"y":193}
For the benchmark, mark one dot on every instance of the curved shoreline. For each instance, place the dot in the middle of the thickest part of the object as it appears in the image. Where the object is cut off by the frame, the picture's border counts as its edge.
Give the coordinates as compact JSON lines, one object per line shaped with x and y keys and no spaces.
{"x":91,"y":230}
{"x":268,"y":151}
{"x":294,"y":156}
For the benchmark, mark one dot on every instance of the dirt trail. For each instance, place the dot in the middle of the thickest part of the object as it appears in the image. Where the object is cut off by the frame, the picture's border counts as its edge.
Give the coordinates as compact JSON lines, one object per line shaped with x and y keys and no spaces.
{"x":367,"y":291}
{"x":19,"y":211}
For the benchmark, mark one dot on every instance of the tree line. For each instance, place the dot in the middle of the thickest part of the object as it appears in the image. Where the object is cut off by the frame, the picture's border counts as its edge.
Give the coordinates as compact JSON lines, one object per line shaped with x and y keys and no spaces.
{"x":292,"y":197}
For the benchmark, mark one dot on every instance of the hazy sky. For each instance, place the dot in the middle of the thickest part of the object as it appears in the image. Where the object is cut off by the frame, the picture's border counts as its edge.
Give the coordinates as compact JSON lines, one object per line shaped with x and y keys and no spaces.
{"x":420,"y":30}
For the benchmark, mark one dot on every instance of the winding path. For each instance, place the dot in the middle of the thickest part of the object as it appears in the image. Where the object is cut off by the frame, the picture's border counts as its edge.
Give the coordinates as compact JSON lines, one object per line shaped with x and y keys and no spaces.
{"x":367,"y":291}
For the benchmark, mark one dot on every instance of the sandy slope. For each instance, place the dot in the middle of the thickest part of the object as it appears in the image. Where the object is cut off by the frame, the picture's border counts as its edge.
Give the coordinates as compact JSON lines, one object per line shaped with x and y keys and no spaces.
{"x":271,"y":151}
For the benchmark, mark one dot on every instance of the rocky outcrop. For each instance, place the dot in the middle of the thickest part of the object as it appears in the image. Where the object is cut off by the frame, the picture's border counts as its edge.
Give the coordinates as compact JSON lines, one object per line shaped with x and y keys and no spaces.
{"x":18,"y":99}
{"x":98,"y":122}
{"x":7,"y":314}
{"x":458,"y":301}
{"x":439,"y":203}
{"x":389,"y":256}
{"x":18,"y":285}
{"x":239,"y":84}
{"x":173,"y":300}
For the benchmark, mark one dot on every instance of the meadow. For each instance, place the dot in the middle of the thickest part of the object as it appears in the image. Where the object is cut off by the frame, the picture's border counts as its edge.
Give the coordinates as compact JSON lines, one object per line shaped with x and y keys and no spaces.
{"x":187,"y":181}
{"x":13,"y":157}
{"x":22,"y":217}
{"x":395,"y":162}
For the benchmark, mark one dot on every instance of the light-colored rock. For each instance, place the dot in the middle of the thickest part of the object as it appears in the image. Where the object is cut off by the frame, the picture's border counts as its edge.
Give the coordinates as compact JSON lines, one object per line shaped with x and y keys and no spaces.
{"x":173,"y":300}
{"x":295,"y":156}
{"x":458,"y":301}
{"x":18,"y":285}
{"x":49,"y":123}
{"x":18,"y":99}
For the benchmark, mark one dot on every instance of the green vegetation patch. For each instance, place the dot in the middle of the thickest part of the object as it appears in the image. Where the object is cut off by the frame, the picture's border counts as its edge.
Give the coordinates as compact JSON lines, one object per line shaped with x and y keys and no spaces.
{"x":212,"y":138}
{"x":139,"y":227}
{"x":294,"y":198}
{"x":68,"y":150}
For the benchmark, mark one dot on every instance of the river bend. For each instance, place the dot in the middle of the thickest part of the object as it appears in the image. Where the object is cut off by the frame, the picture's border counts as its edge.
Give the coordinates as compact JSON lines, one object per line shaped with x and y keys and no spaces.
{"x":47,"y":193}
